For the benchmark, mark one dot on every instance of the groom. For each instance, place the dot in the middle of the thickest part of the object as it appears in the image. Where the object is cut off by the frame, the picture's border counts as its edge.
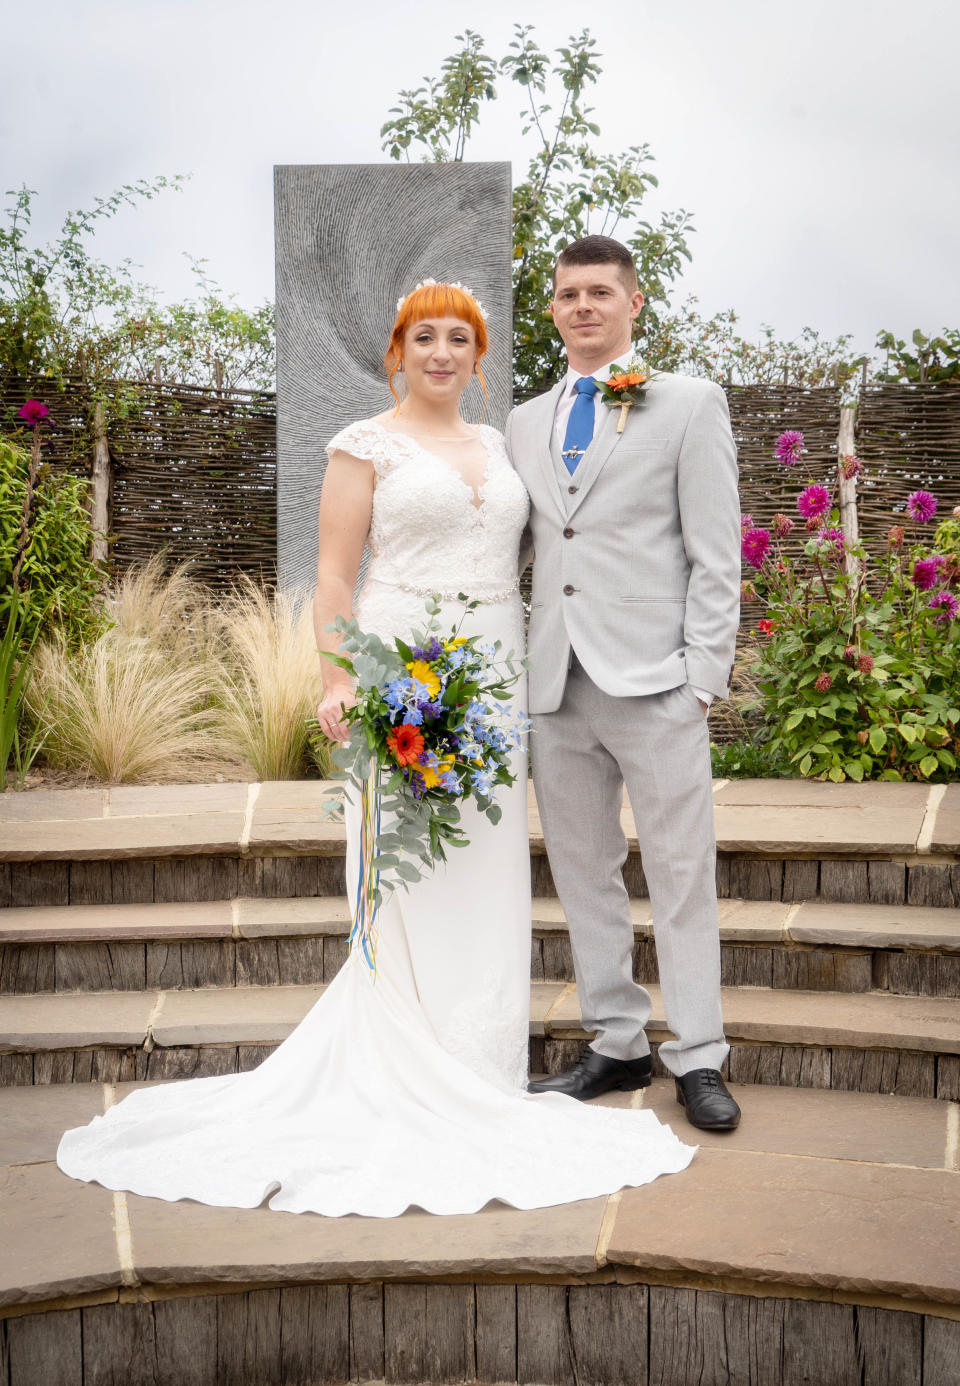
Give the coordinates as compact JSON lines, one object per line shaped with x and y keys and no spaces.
{"x":636,"y":579}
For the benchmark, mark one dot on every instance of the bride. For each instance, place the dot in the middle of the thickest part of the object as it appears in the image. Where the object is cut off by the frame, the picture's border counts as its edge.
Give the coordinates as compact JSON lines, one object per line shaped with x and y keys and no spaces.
{"x":406,"y":1088}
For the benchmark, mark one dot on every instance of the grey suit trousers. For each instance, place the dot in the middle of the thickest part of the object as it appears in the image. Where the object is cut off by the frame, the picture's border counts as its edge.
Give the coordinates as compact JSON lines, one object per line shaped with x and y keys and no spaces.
{"x":657,"y":745}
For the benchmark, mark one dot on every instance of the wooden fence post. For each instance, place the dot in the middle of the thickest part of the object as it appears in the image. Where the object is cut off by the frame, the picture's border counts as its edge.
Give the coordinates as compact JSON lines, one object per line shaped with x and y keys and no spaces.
{"x":849,"y":521}
{"x":100,"y":487}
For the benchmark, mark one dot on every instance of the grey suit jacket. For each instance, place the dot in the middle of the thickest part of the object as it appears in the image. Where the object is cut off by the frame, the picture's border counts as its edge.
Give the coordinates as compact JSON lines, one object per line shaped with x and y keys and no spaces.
{"x":637,"y":560}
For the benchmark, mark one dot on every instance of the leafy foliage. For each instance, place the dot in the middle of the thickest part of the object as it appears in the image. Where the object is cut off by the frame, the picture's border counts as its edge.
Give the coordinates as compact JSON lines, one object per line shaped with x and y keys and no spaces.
{"x":60,"y":584}
{"x":64,"y":313}
{"x":571,"y":189}
{"x":934,"y":358}
{"x":683,"y":340}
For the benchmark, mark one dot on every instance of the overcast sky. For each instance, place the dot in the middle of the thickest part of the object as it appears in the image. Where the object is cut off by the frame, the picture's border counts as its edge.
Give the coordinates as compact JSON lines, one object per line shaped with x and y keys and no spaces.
{"x":815,"y":144}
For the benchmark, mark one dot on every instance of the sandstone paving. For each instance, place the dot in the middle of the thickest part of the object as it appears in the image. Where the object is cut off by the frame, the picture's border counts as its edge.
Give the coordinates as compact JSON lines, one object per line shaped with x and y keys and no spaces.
{"x":863,"y":1019}
{"x":876,"y":926}
{"x":188,"y":1243}
{"x":232,"y":1015}
{"x":58,"y":1236}
{"x":79,"y":923}
{"x":70,"y":1019}
{"x":32,"y":1119}
{"x":265,"y":1015}
{"x":865,"y":1127}
{"x":946,"y":827}
{"x":823,"y":1224}
{"x":136,"y":801}
{"x":775,"y":816}
{"x":50,"y":805}
{"x":162,"y":835}
{"x":543,"y":997}
{"x":265,"y":918}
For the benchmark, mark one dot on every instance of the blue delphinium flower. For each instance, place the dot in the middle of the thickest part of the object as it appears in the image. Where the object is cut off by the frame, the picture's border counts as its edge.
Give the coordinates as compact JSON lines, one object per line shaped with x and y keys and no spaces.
{"x":482,"y":781}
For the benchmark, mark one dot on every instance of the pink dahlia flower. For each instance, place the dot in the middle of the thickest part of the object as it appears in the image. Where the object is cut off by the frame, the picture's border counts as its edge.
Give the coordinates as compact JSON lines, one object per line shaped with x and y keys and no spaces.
{"x":850,"y":467}
{"x":788,"y":447}
{"x":945,"y":605}
{"x":754,"y":545}
{"x":921,"y":506}
{"x":33,"y":412}
{"x":814,"y":502}
{"x":746,"y":522}
{"x":925,"y":573}
{"x":782,"y":525}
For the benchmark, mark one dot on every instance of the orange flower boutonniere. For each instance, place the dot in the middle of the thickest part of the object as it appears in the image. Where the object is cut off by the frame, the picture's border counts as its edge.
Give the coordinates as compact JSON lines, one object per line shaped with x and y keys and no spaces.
{"x":625,"y":387}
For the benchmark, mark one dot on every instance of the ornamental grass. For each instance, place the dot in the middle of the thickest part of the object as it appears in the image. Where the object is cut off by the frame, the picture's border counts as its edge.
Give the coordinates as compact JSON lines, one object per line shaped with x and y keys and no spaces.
{"x":121,"y":711}
{"x":184,"y":686}
{"x":267,"y":682}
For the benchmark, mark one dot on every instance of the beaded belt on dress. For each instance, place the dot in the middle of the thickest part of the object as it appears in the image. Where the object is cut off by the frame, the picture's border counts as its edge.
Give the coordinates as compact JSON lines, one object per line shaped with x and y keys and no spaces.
{"x":501,"y":596}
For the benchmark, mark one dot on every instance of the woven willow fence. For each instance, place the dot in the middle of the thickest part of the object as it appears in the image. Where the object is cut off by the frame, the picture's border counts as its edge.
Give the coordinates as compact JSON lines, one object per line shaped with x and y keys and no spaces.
{"x":193,"y":474}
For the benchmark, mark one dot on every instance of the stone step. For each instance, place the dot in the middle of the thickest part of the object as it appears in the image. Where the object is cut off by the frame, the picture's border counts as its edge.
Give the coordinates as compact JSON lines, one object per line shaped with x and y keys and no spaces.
{"x":807,"y":945}
{"x":777,"y":839}
{"x":820,"y":1242}
{"x":859,"y":1042}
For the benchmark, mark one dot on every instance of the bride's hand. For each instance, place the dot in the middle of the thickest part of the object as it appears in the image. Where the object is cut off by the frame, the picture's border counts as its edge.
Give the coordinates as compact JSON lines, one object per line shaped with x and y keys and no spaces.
{"x":330,"y":712}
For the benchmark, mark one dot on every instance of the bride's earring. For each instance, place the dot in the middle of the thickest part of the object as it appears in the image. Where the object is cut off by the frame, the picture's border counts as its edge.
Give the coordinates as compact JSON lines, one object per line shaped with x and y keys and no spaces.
{"x":399,"y":367}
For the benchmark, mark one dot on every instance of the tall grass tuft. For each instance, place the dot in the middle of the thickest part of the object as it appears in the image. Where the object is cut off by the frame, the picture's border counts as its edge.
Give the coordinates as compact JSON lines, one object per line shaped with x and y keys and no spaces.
{"x":165,"y":607}
{"x":121,"y":711}
{"x":267,"y":682}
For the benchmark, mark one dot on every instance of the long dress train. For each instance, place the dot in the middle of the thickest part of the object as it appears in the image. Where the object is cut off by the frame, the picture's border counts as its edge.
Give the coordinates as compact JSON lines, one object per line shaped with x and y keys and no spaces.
{"x":407,"y":1089}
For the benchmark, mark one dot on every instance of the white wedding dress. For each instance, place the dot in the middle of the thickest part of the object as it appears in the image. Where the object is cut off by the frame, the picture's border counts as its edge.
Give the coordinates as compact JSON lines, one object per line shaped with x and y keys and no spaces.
{"x":407,"y":1089}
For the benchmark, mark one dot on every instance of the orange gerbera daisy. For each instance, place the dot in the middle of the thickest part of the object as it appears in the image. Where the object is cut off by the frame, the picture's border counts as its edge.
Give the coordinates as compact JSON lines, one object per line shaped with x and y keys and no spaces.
{"x":626,"y":380}
{"x":406,"y":744}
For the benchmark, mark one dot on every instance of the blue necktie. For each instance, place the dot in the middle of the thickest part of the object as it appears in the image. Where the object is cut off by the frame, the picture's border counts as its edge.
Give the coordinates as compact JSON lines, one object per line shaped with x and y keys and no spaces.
{"x":579,"y":434}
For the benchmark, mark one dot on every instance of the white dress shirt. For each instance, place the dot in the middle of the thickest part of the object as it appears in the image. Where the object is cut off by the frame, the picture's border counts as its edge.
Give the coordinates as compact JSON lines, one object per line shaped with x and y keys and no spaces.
{"x":565,"y":403}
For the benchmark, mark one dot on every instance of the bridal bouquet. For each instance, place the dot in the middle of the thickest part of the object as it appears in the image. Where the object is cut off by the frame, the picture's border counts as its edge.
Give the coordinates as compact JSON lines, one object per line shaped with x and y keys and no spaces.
{"x":430,"y":730}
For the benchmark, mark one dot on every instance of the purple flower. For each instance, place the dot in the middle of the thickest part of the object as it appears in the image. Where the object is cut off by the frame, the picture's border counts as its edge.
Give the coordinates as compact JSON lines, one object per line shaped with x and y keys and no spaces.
{"x":782,"y":525}
{"x":746,"y":522}
{"x":921,"y":506}
{"x":33,"y":412}
{"x":754,"y":544}
{"x":432,"y":650}
{"x":850,"y":467}
{"x":834,"y":537}
{"x":814,"y":502}
{"x":945,"y":605}
{"x":925,"y":573}
{"x":788,"y":447}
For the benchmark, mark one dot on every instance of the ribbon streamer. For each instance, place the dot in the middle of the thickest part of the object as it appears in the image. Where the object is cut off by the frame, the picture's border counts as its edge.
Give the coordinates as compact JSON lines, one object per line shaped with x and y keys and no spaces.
{"x":363,"y":930}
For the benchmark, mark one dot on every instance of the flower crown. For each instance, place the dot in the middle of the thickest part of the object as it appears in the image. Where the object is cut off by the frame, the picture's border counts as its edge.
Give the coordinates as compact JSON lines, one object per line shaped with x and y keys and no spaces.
{"x":428,"y":283}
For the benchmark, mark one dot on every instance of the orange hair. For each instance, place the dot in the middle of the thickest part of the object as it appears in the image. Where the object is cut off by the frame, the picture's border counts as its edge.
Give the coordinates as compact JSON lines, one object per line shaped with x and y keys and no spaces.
{"x":435,"y":301}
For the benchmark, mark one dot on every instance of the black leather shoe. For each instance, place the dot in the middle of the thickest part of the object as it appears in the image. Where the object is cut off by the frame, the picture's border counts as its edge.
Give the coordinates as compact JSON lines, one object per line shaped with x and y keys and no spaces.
{"x":703,"y":1095}
{"x":594,"y":1074}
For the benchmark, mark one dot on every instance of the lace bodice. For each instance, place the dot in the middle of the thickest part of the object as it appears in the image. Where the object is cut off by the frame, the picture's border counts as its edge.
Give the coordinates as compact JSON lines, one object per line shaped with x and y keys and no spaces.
{"x":426,"y":533}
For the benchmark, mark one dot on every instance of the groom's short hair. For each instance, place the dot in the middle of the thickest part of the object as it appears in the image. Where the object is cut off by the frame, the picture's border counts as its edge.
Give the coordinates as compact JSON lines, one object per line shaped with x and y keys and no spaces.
{"x":599,"y":250}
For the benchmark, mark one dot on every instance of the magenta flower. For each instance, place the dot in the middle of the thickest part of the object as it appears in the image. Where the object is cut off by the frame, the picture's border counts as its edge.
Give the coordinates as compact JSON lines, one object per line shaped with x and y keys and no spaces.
{"x":33,"y":412}
{"x":754,"y":545}
{"x":850,"y":467}
{"x":925,"y":573}
{"x":746,"y":522}
{"x":788,"y":448}
{"x":945,"y":605}
{"x":782,"y":525}
{"x":921,"y":506}
{"x":814,"y":502}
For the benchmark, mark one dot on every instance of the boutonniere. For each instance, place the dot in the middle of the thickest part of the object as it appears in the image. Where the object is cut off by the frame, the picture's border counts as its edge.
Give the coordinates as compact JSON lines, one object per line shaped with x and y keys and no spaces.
{"x":625,"y":387}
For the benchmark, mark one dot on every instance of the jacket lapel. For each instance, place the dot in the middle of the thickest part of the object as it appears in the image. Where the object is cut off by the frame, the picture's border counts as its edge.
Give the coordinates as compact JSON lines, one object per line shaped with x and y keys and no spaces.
{"x":544,"y":424}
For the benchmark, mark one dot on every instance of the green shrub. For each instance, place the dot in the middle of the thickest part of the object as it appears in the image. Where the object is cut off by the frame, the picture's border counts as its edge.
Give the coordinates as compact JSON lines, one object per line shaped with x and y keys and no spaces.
{"x":60,"y":584}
